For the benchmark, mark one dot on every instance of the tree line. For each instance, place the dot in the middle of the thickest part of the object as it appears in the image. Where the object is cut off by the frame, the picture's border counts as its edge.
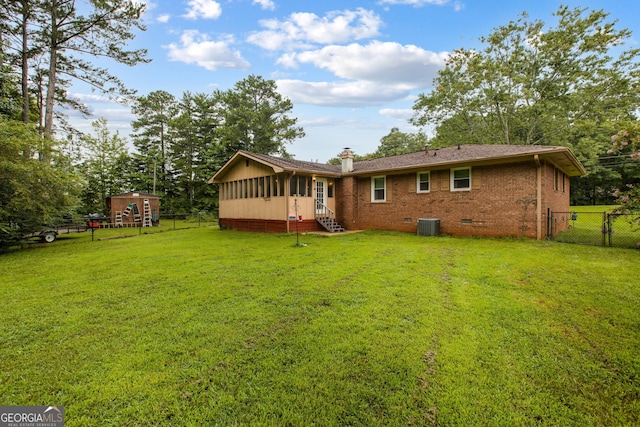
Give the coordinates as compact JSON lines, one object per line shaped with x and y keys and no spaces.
{"x":572,"y":84}
{"x":49,"y":170}
{"x":181,"y":142}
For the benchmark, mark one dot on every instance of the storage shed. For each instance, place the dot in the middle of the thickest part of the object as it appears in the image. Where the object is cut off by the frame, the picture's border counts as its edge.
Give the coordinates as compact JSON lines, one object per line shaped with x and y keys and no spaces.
{"x":133,"y":209}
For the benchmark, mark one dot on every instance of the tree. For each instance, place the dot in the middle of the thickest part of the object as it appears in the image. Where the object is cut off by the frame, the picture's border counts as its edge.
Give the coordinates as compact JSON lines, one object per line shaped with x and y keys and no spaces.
{"x":151,"y":127}
{"x":17,"y":50}
{"x":535,"y":85}
{"x":255,"y":117}
{"x":192,"y":134}
{"x":102,"y":33}
{"x":107,"y":168}
{"x":627,"y":143}
{"x":397,"y":142}
{"x":53,"y":45}
{"x":9,"y":94}
{"x":393,"y":144}
{"x":32,"y":193}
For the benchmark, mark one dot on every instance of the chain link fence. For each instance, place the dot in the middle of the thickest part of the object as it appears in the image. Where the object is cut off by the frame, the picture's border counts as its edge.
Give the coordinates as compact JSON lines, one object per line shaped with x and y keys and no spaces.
{"x":177,"y":221}
{"x":166,"y":222}
{"x":598,"y":228}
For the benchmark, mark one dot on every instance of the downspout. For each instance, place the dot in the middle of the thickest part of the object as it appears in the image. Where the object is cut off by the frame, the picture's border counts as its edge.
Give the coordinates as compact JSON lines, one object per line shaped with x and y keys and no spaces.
{"x":538,"y":197}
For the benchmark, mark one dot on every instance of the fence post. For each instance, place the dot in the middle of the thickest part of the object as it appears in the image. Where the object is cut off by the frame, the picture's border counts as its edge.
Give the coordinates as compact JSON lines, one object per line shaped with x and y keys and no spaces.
{"x":610,"y":224}
{"x":604,"y":229}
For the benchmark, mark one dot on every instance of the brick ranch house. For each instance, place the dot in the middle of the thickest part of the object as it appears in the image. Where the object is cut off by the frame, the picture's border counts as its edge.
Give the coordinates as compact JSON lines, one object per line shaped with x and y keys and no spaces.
{"x":473,"y":190}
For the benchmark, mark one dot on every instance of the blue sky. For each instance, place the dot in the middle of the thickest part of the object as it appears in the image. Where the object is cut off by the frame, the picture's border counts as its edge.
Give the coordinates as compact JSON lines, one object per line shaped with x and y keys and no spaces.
{"x":351,"y":68}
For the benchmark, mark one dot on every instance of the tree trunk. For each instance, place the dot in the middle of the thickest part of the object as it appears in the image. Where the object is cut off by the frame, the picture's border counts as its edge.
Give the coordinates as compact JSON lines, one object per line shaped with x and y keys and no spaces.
{"x":25,"y":63}
{"x":51,"y":84}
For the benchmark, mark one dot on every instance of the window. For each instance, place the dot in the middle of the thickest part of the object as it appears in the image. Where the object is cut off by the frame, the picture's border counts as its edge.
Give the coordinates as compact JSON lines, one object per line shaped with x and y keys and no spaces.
{"x":330,"y":189}
{"x":281,"y":180}
{"x":559,"y":180}
{"x":268,"y":187}
{"x":378,"y":189}
{"x":461,"y":179}
{"x":300,"y":186}
{"x":423,"y":179}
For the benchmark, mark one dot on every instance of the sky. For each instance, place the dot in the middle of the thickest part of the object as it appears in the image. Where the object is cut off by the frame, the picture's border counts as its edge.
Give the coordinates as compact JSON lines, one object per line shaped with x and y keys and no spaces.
{"x":352,"y":69}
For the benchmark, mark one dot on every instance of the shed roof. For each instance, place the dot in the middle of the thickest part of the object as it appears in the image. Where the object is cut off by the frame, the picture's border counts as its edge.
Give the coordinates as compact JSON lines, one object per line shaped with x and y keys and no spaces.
{"x":133,"y":194}
{"x":469,"y":154}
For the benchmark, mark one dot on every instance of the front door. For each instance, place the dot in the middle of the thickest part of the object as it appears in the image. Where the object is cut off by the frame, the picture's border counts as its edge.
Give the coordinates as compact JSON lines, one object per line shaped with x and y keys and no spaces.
{"x":321,"y":196}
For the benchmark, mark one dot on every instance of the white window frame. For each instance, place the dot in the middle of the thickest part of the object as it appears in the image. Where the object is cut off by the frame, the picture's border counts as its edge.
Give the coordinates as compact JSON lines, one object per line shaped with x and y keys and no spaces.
{"x":373,"y":189}
{"x":418,"y":181}
{"x":453,"y":179}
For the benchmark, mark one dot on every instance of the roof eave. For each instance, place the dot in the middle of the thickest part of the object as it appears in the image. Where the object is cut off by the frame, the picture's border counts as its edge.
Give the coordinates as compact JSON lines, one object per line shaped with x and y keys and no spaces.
{"x":232,"y":161}
{"x":517,"y":157}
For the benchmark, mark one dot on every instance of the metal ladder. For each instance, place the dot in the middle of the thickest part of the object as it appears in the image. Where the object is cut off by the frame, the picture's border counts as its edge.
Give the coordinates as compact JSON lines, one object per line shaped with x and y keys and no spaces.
{"x":146,"y":214}
{"x":127,"y":210}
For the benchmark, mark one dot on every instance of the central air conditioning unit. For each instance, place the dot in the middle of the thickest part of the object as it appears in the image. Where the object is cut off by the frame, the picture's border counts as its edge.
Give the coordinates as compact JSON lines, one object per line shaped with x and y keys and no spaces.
{"x":428,"y":226}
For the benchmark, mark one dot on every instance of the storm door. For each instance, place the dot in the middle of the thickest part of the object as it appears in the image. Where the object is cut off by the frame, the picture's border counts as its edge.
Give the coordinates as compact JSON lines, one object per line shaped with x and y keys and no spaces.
{"x":321,"y":196}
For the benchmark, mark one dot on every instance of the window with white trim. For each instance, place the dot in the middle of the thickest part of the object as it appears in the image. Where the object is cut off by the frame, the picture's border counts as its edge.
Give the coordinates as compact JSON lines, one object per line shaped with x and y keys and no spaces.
{"x":378,"y":189}
{"x":461,"y":179}
{"x":423,"y":182}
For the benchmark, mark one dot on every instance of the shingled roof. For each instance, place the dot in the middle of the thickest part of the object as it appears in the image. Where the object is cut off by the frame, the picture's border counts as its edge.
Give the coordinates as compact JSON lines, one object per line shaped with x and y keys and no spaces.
{"x":472,"y":154}
{"x":461,"y":155}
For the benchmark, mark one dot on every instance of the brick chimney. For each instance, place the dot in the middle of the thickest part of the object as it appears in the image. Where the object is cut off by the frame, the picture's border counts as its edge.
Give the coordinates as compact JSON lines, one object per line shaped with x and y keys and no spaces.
{"x":347,"y":160}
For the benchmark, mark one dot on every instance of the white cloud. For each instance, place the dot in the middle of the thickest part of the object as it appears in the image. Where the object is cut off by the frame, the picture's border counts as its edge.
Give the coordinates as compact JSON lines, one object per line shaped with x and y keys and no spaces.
{"x":196,"y":48}
{"x":397,"y":113}
{"x":369,"y":74}
{"x":163,"y":18}
{"x":306,"y":29}
{"x":416,"y":3}
{"x":340,"y":94}
{"x":207,"y":9}
{"x":265,"y":4}
{"x":382,"y":62}
{"x":92,"y":98}
{"x":114,"y":114}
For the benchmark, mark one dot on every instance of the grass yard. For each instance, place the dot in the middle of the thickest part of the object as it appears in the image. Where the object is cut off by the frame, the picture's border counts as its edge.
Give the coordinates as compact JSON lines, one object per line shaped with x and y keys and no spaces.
{"x":203,"y":327}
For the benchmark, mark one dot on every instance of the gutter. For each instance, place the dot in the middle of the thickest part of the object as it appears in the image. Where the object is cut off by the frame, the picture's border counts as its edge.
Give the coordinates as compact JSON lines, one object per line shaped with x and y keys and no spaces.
{"x":536,"y":158}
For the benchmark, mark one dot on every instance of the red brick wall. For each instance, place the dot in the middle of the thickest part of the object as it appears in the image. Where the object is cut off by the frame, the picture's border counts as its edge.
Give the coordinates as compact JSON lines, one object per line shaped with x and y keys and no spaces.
{"x":346,"y":203}
{"x":556,"y":197}
{"x":502,"y":202}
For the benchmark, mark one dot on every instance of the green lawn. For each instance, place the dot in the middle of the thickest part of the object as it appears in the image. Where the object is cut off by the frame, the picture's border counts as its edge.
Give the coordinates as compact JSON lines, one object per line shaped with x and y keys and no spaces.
{"x":203,"y":327}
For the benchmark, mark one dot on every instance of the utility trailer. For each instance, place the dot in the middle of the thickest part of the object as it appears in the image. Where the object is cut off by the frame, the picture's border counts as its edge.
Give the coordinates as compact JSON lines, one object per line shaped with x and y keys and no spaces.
{"x":49,"y":235}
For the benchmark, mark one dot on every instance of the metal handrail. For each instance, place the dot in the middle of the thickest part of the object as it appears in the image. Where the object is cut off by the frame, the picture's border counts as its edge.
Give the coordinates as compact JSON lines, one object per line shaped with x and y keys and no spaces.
{"x":324,"y":208}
